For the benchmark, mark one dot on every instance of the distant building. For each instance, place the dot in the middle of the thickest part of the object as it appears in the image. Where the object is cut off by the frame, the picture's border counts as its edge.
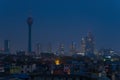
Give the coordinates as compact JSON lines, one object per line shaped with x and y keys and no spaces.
{"x":60,"y":49}
{"x":39,"y":49}
{"x":73,"y":48}
{"x":88,"y":45}
{"x":20,"y":53}
{"x":83,"y":45}
{"x":47,"y":55}
{"x":6,"y":46}
{"x":1,"y":51}
{"x":49,"y":48}
{"x":106,"y":52}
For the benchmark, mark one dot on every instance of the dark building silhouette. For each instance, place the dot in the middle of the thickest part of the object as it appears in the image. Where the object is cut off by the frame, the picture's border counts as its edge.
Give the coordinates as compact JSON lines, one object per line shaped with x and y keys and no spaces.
{"x":6,"y":46}
{"x":29,"y":22}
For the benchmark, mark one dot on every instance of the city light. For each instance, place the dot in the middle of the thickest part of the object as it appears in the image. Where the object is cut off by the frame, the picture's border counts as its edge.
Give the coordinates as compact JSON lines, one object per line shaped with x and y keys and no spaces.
{"x":57,"y":62}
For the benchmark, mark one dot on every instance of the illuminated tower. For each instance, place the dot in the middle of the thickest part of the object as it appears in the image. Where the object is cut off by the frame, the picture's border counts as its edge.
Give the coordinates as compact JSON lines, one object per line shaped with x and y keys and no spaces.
{"x":29,"y":22}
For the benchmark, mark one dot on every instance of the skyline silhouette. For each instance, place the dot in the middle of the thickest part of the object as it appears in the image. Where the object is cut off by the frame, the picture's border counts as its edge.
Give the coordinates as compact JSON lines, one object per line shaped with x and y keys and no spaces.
{"x":60,"y":21}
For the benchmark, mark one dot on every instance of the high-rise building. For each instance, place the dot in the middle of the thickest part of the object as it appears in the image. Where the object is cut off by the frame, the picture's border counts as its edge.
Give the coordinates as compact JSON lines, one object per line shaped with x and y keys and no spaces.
{"x":73,"y":48}
{"x":7,"y":46}
{"x":61,"y":49}
{"x":83,"y":45}
{"x":49,"y":48}
{"x":38,"y":49}
{"x":29,"y":22}
{"x":89,"y":41}
{"x":87,"y":45}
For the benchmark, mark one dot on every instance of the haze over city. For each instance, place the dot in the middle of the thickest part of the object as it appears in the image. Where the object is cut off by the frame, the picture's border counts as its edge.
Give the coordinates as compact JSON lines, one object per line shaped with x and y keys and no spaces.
{"x":60,"y":21}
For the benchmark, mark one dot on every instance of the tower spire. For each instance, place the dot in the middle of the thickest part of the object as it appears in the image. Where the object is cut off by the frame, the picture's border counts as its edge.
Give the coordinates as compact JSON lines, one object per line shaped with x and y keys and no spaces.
{"x":30,"y":22}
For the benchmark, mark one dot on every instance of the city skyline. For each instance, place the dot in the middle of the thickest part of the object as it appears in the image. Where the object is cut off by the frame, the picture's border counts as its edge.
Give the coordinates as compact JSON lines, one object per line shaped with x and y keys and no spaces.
{"x":60,"y":22}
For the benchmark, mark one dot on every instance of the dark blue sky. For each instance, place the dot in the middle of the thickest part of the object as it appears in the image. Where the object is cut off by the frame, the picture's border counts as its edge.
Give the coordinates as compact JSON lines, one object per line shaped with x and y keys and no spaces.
{"x":60,"y":21}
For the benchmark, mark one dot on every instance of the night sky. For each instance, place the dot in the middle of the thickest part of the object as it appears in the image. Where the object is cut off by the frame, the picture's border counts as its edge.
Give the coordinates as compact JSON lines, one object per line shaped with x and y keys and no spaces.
{"x":60,"y":21}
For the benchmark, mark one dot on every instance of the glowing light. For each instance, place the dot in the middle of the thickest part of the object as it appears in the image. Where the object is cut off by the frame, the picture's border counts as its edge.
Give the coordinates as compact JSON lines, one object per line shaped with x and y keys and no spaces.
{"x":57,"y":62}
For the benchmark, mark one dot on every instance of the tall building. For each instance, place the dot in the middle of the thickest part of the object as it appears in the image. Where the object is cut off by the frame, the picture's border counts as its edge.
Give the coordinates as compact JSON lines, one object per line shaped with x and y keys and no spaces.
{"x":83,"y":45}
{"x":87,"y":45}
{"x":61,"y":49}
{"x":49,"y":48}
{"x":29,"y":22}
{"x":89,"y":41}
{"x":6,"y":46}
{"x":73,"y":48}
{"x":39,"y":49}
